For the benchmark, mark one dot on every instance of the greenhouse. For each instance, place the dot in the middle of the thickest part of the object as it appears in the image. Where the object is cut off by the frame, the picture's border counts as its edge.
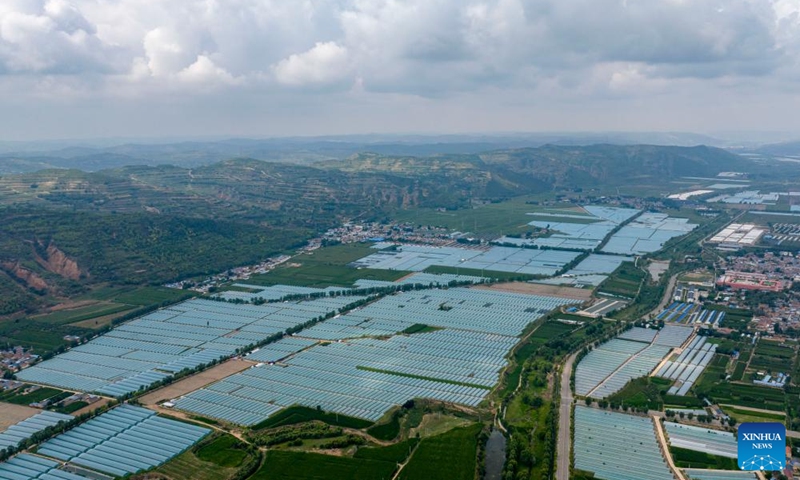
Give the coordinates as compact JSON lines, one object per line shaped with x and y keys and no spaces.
{"x":164,"y":342}
{"x":602,"y":362}
{"x":416,"y":258}
{"x":361,"y":378}
{"x":29,"y":467}
{"x":701,"y":439}
{"x":616,"y":446}
{"x":24,"y":429}
{"x":122,"y":441}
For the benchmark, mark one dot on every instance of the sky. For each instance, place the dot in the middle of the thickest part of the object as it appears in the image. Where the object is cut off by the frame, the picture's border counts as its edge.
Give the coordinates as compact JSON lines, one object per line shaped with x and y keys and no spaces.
{"x":132,"y":68}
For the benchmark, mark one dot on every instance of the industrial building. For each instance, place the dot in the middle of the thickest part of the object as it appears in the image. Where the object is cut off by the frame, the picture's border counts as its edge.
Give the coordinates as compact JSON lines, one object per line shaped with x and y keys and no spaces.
{"x":738,"y":235}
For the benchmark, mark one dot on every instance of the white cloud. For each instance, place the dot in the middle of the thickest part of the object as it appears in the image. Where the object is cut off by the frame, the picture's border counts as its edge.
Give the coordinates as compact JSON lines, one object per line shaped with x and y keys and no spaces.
{"x":524,"y":50}
{"x":204,"y":71}
{"x":51,"y":37}
{"x":168,"y":52}
{"x":415,"y":46}
{"x":324,"y":64}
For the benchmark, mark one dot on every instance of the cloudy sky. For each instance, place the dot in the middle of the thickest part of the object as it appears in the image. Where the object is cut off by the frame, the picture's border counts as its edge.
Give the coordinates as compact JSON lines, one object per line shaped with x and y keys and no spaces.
{"x":97,"y":68}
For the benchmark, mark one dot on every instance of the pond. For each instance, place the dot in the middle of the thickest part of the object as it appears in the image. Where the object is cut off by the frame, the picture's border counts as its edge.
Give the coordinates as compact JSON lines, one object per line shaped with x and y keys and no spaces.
{"x":495,"y":456}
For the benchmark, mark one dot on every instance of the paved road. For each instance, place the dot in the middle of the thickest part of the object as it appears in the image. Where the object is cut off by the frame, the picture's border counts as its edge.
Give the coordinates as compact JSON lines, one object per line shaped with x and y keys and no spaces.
{"x":666,"y":300}
{"x":564,"y":420}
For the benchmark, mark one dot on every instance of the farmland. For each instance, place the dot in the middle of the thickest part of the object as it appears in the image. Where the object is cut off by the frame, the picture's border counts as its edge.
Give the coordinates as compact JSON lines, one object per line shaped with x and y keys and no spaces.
{"x":192,"y":333}
{"x":449,"y":456}
{"x":90,"y":313}
{"x":25,"y":429}
{"x":692,"y":459}
{"x":500,"y":259}
{"x":326,"y":267}
{"x":688,"y":366}
{"x":125,"y":440}
{"x":600,"y":435}
{"x":316,"y":356}
{"x":25,"y":395}
{"x":641,"y":393}
{"x":313,"y":466}
{"x":374,"y":368}
{"x":743,"y":394}
{"x":80,"y":314}
{"x":635,"y":353}
{"x":624,"y":282}
{"x":188,"y":466}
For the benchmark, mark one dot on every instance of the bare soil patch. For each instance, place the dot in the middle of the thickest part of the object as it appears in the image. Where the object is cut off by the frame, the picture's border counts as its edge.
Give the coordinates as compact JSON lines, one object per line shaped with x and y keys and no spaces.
{"x":192,"y":383}
{"x":69,"y":305}
{"x":92,"y":407}
{"x":657,"y":268}
{"x":11,"y":414}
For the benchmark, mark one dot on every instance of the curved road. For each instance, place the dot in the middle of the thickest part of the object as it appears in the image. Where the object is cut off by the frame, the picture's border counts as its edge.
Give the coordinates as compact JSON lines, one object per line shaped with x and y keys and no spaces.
{"x":564,"y":420}
{"x":667,"y":298}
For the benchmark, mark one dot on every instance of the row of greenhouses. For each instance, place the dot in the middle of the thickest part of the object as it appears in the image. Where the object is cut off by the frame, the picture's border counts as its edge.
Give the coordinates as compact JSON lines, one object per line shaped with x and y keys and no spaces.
{"x":164,"y":342}
{"x":616,"y":446}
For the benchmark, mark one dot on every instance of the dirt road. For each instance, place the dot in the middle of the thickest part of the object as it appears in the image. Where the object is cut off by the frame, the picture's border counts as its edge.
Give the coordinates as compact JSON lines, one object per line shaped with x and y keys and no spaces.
{"x":662,"y":443}
{"x":199,"y":380}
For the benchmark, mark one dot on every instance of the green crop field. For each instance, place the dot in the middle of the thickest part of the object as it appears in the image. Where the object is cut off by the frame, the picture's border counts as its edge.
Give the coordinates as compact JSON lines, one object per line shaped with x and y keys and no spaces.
{"x":297,"y":414}
{"x":553,"y":329}
{"x":772,"y":357}
{"x":711,"y":376}
{"x":508,"y":217}
{"x":89,"y":312}
{"x":41,"y":337}
{"x":734,"y":318}
{"x":745,"y":395}
{"x":151,"y":296}
{"x":396,"y":453}
{"x":225,"y":451}
{"x":624,"y":282}
{"x":449,"y":456}
{"x":690,"y":459}
{"x":216,"y":457}
{"x":386,"y":431}
{"x":291,"y":465}
{"x":772,"y":349}
{"x":72,"y":407}
{"x":738,"y":372}
{"x":642,"y":393}
{"x":19,"y":398}
{"x":326,"y":266}
{"x":743,"y":415}
{"x":677,"y":401}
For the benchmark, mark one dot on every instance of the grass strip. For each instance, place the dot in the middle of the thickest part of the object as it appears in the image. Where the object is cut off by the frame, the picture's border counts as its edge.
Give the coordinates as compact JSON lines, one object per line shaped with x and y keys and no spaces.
{"x":422,"y":377}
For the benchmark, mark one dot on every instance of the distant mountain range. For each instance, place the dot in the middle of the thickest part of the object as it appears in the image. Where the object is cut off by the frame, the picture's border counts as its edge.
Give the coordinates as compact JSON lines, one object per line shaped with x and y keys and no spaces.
{"x":20,"y":157}
{"x":152,"y":224}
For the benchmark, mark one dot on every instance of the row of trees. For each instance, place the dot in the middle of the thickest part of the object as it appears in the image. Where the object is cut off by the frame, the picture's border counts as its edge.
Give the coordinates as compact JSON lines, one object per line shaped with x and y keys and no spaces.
{"x":533,"y":452}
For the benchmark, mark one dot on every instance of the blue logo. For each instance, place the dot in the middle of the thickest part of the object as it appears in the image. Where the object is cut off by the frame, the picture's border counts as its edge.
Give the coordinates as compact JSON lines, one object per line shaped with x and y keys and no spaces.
{"x":762,"y":446}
